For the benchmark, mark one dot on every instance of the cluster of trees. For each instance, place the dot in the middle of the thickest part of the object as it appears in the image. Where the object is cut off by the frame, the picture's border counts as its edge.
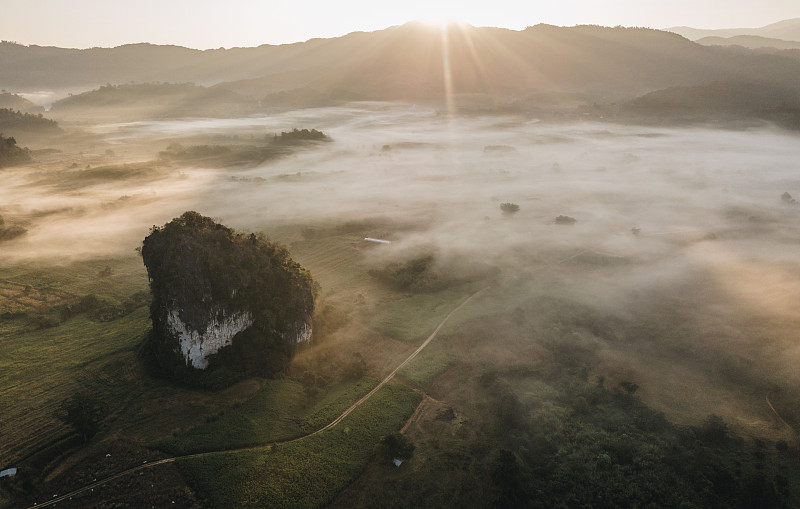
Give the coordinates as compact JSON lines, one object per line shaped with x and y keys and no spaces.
{"x":415,"y":275}
{"x":598,"y":446}
{"x":395,"y":446}
{"x":12,"y":120}
{"x":177,"y":152}
{"x":300,"y":135}
{"x":95,"y":308}
{"x":426,"y":273}
{"x":103,"y":310}
{"x":225,"y":154}
{"x":10,"y":153}
{"x":509,"y":208}
{"x":83,"y":412}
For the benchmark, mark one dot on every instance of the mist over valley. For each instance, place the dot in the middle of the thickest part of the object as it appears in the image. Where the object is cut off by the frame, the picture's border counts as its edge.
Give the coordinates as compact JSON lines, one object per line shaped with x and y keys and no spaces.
{"x":551,"y":267}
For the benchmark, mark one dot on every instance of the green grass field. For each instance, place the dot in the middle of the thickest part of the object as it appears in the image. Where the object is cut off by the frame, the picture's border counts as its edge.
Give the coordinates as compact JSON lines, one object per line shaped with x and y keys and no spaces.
{"x":278,"y":412}
{"x":412,"y":318}
{"x":306,"y":473}
{"x":39,"y":368}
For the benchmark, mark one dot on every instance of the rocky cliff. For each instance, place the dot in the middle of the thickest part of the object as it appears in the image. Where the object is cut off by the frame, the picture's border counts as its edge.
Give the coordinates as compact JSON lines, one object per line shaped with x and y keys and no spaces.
{"x":225,"y":304}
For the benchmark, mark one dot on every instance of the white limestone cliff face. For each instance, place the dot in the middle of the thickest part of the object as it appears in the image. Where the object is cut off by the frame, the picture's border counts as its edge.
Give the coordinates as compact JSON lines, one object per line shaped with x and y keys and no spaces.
{"x":305,"y":333}
{"x":197,"y":346}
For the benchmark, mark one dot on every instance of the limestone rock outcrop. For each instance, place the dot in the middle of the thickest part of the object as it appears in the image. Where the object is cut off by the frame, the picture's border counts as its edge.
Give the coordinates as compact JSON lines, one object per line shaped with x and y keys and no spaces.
{"x":225,"y":304}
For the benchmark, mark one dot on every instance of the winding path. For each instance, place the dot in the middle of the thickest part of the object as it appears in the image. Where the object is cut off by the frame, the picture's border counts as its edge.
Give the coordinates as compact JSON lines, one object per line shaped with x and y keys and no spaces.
{"x":143,"y":466}
{"x":788,"y":426}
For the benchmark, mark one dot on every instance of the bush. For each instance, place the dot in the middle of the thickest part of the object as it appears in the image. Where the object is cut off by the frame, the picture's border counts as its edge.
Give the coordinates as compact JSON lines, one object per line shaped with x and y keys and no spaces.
{"x":10,"y":153}
{"x":394,"y":446}
{"x":83,"y":412}
{"x":509,"y":208}
{"x":300,"y":135}
{"x":416,"y":275}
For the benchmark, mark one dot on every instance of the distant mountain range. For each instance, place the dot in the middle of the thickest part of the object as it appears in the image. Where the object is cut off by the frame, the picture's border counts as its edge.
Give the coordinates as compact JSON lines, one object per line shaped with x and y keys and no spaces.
{"x":787,"y":30}
{"x":749,"y":41}
{"x":542,"y":67}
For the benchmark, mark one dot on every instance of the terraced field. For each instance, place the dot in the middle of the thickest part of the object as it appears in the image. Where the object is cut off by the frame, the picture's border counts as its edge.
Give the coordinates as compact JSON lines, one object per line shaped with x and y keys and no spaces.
{"x":41,"y":368}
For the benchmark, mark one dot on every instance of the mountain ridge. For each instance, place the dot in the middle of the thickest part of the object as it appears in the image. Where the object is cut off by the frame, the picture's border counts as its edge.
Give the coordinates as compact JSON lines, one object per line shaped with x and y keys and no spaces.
{"x":788,"y":30}
{"x":459,"y":65}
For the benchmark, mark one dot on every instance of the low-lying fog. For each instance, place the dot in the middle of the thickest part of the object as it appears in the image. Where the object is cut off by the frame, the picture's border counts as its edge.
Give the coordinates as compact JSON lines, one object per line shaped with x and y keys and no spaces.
{"x":693,"y":213}
{"x":447,"y":176}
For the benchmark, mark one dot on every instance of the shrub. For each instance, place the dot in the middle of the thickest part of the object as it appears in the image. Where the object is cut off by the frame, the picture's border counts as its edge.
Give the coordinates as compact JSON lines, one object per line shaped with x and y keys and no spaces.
{"x":509,"y":208}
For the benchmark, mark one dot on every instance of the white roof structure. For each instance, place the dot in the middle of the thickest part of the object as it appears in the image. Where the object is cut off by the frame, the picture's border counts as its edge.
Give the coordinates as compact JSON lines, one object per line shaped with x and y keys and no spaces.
{"x":8,"y":472}
{"x":379,"y":241}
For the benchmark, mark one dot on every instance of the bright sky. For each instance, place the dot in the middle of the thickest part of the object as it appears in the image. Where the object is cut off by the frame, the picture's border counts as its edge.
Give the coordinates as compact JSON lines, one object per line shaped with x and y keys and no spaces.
{"x":226,"y":23}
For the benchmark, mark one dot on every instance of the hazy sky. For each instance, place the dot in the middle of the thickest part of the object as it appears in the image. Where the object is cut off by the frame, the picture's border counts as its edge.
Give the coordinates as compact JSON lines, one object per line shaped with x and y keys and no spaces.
{"x":212,"y":24}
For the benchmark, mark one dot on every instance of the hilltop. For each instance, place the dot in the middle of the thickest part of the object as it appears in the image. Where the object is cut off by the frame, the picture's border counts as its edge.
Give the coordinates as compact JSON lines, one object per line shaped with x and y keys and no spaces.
{"x":788,"y":30}
{"x":585,"y":63}
{"x":750,"y":42}
{"x":17,"y":102}
{"x":166,"y":100}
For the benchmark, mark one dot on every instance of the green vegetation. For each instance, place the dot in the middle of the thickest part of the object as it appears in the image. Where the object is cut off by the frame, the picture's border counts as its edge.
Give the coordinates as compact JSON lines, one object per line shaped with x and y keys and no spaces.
{"x":83,"y":412}
{"x":301,"y":135}
{"x":31,"y":308}
{"x":520,"y":435}
{"x":278,"y":412}
{"x":41,"y":368}
{"x":415,"y":275}
{"x":509,"y":208}
{"x":11,"y":154}
{"x":103,"y":310}
{"x":719,"y":100}
{"x":177,"y":152}
{"x":206,"y":272}
{"x":308,"y":472}
{"x":414,"y":317}
{"x":221,"y":155}
{"x":16,"y":121}
{"x":75,"y":177}
{"x":596,"y":446}
{"x":426,"y":274}
{"x":395,"y":446}
{"x":155,"y":100}
{"x":545,"y":433}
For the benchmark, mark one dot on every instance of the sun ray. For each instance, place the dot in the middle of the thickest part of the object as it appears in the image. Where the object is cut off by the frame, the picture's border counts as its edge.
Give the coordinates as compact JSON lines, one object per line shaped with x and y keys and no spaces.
{"x":447,"y":73}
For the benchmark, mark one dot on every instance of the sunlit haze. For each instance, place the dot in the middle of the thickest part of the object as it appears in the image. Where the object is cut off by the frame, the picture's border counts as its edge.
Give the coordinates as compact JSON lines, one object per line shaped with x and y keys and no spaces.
{"x":412,"y":254}
{"x":206,"y":24}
